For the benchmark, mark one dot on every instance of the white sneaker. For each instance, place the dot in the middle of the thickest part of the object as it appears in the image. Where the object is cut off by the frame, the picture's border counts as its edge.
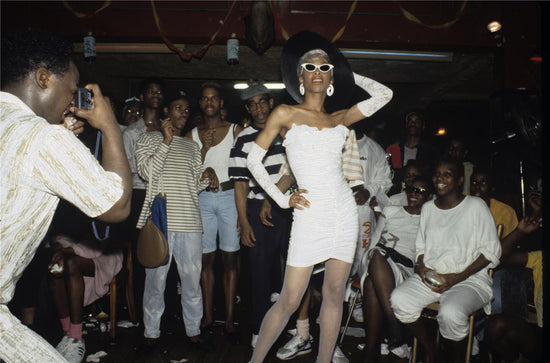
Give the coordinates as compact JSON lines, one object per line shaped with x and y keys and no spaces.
{"x":62,"y":345}
{"x":402,"y":351}
{"x":475,"y":346}
{"x":295,"y":347}
{"x":254,"y":340}
{"x":338,"y":356}
{"x":384,"y":349}
{"x":74,"y":352}
{"x":357,"y":314}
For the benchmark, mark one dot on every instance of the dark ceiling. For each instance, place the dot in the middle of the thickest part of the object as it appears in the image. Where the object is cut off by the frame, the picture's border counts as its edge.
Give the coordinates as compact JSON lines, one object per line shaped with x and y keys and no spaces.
{"x":458,"y":94}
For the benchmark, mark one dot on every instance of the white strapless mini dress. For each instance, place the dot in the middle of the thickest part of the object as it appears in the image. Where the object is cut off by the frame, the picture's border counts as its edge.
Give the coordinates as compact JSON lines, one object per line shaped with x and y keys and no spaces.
{"x":329,"y":227}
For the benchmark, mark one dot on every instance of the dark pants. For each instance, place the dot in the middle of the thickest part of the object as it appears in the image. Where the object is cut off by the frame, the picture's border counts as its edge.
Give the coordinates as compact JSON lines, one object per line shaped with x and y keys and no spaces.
{"x":265,"y":257}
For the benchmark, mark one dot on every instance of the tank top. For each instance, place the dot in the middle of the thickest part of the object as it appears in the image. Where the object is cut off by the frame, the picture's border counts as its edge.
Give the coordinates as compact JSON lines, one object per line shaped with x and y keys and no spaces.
{"x":217,"y":156}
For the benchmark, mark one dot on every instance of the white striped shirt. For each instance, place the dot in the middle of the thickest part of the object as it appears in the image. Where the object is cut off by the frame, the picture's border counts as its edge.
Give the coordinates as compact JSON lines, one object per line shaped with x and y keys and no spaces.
{"x":176,"y":170}
{"x":40,"y":163}
{"x":238,"y":171}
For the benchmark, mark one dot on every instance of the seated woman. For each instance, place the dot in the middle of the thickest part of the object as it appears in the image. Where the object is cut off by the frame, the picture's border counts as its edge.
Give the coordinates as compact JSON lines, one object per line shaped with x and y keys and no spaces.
{"x":80,"y":273}
{"x":456,"y":244}
{"x":388,"y":263}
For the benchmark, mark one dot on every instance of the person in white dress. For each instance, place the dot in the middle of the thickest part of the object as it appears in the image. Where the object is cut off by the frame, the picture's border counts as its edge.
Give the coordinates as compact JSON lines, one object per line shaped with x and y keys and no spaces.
{"x":325,"y":225}
{"x":456,"y":244}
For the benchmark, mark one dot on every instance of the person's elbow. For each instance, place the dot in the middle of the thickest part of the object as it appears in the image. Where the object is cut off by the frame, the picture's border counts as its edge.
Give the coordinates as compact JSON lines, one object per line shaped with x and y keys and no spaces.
{"x":119,"y":211}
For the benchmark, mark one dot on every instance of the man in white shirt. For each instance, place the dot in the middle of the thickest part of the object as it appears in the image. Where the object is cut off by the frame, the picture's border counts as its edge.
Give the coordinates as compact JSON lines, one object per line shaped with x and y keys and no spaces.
{"x":41,"y":162}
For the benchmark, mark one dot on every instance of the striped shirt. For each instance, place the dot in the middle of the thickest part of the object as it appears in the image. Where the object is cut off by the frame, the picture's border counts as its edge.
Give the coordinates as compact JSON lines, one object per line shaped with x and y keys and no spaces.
{"x":176,"y":171}
{"x":238,"y":171}
{"x":41,"y":163}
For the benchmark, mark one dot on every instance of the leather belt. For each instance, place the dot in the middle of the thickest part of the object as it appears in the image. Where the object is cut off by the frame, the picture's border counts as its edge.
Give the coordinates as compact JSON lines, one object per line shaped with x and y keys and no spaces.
{"x":227,"y":185}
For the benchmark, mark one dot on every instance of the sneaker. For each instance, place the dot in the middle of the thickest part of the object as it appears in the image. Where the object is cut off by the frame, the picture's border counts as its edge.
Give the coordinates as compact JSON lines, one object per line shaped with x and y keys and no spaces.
{"x":74,"y":351}
{"x":357,"y":314}
{"x":62,"y":345}
{"x":384,"y":349}
{"x":475,"y":347}
{"x":338,"y":356}
{"x":295,"y":347}
{"x":254,"y":340}
{"x":402,"y":351}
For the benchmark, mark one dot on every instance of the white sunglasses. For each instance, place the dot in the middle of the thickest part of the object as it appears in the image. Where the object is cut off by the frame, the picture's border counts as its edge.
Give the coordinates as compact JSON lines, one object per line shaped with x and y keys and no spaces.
{"x":310,"y":67}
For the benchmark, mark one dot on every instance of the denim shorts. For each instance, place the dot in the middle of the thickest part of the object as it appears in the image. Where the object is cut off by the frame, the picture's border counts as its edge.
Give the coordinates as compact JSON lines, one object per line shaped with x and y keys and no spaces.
{"x":219,"y":215}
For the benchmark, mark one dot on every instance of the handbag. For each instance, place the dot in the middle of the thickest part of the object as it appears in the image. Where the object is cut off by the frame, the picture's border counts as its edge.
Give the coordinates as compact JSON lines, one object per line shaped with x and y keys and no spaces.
{"x":152,"y":245}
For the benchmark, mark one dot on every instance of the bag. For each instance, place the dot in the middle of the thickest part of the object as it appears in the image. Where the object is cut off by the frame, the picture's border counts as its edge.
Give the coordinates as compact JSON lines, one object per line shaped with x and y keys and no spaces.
{"x":152,"y":245}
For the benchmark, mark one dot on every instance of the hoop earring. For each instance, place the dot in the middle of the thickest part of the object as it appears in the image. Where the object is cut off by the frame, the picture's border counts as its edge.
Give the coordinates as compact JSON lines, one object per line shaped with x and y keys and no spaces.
{"x":302,"y":89}
{"x":330,"y":90}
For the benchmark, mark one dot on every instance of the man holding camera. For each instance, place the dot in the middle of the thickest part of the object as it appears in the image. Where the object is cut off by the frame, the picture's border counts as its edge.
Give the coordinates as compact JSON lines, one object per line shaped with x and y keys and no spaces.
{"x":43,"y":162}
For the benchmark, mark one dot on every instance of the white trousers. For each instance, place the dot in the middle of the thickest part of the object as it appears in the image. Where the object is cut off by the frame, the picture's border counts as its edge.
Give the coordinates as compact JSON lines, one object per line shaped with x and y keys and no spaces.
{"x":186,"y":248}
{"x":20,"y":344}
{"x":455,"y":305}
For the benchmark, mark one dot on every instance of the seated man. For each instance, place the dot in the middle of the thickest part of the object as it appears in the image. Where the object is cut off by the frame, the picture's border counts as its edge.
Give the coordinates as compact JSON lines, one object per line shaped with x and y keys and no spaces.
{"x":456,"y":244}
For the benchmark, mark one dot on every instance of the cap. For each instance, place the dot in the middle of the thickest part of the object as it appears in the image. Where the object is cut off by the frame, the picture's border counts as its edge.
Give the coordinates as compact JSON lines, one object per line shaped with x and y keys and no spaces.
{"x":132,"y":100}
{"x":254,"y":90}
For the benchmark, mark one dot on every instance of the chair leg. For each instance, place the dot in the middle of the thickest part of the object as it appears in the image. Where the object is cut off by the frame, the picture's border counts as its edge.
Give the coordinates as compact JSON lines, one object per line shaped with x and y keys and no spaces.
{"x":130,"y":288}
{"x":414,"y":352}
{"x":112,"y":303}
{"x":354,"y":301}
{"x":470,"y":338}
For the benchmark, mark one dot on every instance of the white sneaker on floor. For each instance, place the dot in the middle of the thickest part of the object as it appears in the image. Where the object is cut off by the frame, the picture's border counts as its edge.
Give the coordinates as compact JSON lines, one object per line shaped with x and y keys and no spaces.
{"x":402,"y":351}
{"x":338,"y":356}
{"x":357,"y":314}
{"x":74,"y":352}
{"x":295,"y":347}
{"x":254,"y":340}
{"x":62,"y":345}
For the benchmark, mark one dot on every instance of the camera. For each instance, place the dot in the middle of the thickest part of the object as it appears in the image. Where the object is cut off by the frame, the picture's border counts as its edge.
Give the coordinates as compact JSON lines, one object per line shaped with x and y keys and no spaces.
{"x":83,"y":98}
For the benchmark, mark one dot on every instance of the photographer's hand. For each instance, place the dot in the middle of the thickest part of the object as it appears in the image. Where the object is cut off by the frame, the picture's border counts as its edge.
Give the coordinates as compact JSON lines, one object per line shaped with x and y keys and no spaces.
{"x":73,"y":125}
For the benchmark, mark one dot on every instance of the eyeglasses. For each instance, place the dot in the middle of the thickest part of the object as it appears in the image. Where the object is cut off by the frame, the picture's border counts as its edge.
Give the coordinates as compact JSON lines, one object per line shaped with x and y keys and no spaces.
{"x":418,"y":190}
{"x":130,"y":111}
{"x":264,"y":102}
{"x":310,"y":67}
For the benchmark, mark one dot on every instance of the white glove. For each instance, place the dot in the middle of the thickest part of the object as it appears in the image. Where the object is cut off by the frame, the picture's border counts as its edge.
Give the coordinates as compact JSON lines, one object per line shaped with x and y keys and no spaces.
{"x":257,"y":169}
{"x":380,"y":95}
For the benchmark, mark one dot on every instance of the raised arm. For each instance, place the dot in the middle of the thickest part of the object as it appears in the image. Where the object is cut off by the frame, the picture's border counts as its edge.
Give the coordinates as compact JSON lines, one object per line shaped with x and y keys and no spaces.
{"x":380,"y":95}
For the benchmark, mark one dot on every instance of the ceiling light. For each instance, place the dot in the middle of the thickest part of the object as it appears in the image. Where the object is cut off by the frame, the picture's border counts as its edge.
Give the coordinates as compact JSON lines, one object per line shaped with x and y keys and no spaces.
{"x":494,"y":26}
{"x":268,"y":85}
{"x":397,"y":55}
{"x":441,"y":131}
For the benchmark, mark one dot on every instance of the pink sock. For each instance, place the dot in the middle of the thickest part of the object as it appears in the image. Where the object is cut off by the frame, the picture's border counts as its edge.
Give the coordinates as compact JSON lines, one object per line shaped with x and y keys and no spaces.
{"x":302,"y":328}
{"x":65,"y":324}
{"x":75,"y":331}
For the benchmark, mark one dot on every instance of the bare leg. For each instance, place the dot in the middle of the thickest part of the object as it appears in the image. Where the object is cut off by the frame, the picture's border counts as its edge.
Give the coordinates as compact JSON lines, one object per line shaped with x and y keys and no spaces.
{"x":373,"y":321}
{"x":74,"y":270}
{"x":334,"y":286}
{"x":384,"y":282}
{"x":230,"y":261}
{"x":303,"y":310}
{"x":418,"y":328}
{"x":295,"y":283}
{"x":207,"y":281}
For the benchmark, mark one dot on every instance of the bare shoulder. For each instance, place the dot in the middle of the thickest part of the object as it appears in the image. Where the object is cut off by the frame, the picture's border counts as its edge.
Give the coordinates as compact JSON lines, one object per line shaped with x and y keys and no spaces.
{"x":282,"y":115}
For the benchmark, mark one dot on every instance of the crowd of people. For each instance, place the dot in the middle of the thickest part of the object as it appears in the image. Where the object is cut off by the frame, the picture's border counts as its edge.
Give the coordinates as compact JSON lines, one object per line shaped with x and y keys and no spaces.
{"x":297,"y":190}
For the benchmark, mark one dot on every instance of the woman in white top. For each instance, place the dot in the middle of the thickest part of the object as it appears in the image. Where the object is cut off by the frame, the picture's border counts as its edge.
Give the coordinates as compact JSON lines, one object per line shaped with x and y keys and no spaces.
{"x":325,"y":225}
{"x":388,"y":263}
{"x":457,"y":243}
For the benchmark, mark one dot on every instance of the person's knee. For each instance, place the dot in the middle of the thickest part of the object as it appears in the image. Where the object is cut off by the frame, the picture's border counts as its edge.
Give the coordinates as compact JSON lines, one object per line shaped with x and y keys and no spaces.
{"x":230,"y":260}
{"x":208,"y":260}
{"x":71,"y":266}
{"x":376,"y":259}
{"x":289,"y":303}
{"x":453,"y":322}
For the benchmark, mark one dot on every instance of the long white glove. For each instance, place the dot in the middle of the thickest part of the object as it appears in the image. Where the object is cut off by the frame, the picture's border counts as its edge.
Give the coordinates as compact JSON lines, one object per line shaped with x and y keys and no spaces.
{"x":257,"y":169}
{"x":380,"y":95}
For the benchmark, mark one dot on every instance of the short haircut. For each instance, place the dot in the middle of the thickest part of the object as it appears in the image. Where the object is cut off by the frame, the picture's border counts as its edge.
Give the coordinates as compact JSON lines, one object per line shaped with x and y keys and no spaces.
{"x":419,"y":114}
{"x":29,"y":49}
{"x":308,"y":56}
{"x":144,"y":85}
{"x":457,"y":164}
{"x":423,"y":179}
{"x":179,"y":95}
{"x":211,"y":84}
{"x":487,"y":171}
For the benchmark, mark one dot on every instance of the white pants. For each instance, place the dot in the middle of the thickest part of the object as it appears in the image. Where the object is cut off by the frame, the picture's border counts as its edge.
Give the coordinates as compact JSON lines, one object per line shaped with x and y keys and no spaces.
{"x":186,"y":248}
{"x":455,"y":305}
{"x":20,"y":344}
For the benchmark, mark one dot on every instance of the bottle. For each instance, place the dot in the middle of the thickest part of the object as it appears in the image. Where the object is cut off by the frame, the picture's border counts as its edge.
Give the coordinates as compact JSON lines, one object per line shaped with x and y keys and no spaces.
{"x":89,"y":48}
{"x":233,"y":50}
